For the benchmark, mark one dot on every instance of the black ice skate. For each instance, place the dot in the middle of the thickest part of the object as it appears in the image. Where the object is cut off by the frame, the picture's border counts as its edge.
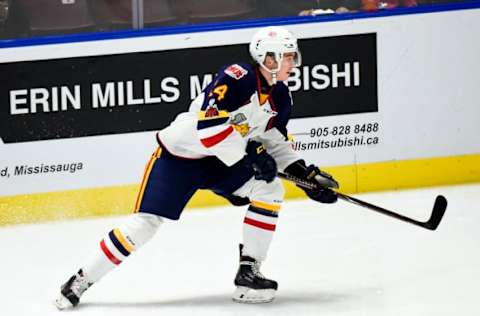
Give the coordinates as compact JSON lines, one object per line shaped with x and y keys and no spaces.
{"x":252,"y":286}
{"x":72,"y":290}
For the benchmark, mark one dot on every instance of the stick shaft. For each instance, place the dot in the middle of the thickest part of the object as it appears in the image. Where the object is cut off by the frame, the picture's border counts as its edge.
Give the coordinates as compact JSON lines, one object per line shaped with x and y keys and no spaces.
{"x":435,"y":218}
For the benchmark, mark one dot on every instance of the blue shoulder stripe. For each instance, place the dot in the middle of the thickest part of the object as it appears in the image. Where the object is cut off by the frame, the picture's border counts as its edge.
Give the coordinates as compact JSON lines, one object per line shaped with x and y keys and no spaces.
{"x":212,"y":122}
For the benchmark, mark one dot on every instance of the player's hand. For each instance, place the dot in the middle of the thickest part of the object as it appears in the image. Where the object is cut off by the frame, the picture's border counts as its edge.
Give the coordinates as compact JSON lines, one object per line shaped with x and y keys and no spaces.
{"x":322,"y":195}
{"x":325,"y":180}
{"x":262,"y":163}
{"x":312,"y":173}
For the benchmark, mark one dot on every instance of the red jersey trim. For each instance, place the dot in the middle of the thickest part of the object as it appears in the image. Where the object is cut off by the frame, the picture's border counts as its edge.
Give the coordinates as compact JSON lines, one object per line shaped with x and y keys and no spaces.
{"x":215,"y":139}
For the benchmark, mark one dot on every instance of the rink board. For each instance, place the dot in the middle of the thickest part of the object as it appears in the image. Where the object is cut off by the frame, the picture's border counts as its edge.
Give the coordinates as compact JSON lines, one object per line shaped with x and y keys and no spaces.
{"x":120,"y":200}
{"x":382,"y":102}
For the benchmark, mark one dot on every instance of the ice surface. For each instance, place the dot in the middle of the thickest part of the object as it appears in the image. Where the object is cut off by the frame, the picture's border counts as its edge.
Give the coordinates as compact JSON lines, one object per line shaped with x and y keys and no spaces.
{"x":328,"y":259}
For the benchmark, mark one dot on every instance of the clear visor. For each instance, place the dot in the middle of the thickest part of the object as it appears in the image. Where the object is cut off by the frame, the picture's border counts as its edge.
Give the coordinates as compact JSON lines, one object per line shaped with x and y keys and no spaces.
{"x":297,"y":59}
{"x":279,"y":57}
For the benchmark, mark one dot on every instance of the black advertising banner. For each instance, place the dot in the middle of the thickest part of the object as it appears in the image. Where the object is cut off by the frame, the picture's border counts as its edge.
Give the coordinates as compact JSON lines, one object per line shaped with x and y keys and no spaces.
{"x":338,"y":76}
{"x":100,"y":95}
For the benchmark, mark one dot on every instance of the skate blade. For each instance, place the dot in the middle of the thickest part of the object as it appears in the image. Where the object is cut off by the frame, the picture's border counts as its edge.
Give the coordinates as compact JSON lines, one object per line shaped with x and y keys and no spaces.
{"x":251,"y":296}
{"x":62,"y":303}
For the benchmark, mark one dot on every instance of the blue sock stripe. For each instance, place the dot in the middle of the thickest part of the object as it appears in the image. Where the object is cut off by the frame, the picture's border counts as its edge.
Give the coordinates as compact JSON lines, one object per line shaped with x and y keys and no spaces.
{"x":117,"y":244}
{"x":262,"y":211}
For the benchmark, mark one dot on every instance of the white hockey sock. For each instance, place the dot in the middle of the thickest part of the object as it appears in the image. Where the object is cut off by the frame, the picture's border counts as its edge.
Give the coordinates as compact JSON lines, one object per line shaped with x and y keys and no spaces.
{"x":120,"y":242}
{"x":258,"y":228}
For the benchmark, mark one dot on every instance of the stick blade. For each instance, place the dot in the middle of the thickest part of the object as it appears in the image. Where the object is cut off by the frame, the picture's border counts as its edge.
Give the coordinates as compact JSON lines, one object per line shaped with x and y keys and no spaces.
{"x":439,"y":208}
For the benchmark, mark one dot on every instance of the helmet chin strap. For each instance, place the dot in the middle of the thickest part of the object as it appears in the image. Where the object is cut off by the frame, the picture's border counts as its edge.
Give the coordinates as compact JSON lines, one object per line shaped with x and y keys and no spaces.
{"x":273,"y":72}
{"x":274,"y":77}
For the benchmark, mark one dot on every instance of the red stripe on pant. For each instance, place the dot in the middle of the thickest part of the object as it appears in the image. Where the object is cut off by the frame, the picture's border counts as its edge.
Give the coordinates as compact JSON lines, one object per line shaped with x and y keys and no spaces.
{"x":109,"y":255}
{"x":259,"y":224}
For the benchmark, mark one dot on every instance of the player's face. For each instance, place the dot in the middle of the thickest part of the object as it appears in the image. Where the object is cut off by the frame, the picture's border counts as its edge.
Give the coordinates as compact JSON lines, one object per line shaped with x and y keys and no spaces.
{"x":288,"y":63}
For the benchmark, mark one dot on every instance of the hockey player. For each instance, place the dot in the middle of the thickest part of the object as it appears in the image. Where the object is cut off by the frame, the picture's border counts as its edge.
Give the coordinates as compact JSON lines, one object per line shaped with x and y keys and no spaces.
{"x":232,"y":141}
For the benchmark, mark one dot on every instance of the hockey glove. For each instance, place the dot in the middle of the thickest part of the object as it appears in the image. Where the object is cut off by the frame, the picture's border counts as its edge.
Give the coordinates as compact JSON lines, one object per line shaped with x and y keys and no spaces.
{"x":312,"y":173}
{"x":322,"y":195}
{"x":263,"y":164}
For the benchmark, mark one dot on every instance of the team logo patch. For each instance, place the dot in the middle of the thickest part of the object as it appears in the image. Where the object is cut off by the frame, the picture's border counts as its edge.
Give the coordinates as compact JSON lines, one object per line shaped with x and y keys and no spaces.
{"x":243,"y":129}
{"x":236,"y":71}
{"x":237,"y":121}
{"x":211,"y":111}
{"x":238,"y":118}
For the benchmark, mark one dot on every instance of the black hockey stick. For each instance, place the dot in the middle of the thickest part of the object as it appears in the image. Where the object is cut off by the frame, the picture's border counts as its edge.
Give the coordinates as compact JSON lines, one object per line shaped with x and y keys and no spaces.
{"x":439,"y":206}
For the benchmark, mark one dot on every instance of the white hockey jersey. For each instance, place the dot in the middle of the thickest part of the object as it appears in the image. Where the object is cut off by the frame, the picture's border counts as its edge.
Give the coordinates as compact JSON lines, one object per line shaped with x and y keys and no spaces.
{"x":238,"y":105}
